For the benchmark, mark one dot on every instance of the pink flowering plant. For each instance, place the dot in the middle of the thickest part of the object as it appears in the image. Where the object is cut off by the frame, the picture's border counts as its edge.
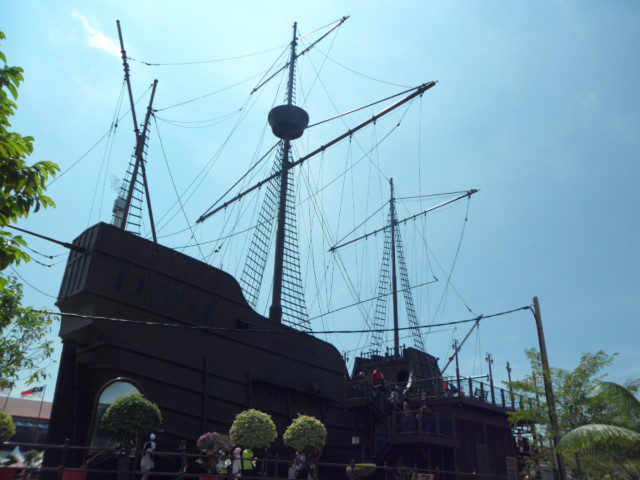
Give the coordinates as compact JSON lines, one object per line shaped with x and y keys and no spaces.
{"x":214,"y":446}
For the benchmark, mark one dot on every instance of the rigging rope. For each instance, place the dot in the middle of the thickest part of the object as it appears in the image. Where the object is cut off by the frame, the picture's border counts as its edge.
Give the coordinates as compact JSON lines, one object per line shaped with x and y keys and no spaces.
{"x":106,"y":156}
{"x":200,"y":97}
{"x":360,"y":73}
{"x":453,"y":264}
{"x":212,"y":60}
{"x":173,"y":183}
{"x":64,"y":172}
{"x":211,"y":122}
{"x":444,"y":272}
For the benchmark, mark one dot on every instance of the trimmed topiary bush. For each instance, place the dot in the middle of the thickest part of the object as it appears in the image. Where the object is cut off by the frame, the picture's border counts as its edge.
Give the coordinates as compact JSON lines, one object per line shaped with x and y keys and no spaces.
{"x":306,"y":434}
{"x":131,"y":418}
{"x":7,"y":427}
{"x":253,"y":429}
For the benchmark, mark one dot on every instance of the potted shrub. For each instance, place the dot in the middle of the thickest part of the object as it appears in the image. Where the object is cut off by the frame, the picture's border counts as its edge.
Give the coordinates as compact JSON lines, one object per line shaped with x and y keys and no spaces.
{"x":254,"y":430}
{"x":129,"y":420}
{"x":307,"y":435}
{"x":7,"y":430}
{"x":215,"y":446}
{"x":360,"y":470}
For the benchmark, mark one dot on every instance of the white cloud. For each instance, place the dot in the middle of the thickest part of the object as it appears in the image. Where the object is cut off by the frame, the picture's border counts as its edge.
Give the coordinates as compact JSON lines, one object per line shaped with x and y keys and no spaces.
{"x":96,"y":38}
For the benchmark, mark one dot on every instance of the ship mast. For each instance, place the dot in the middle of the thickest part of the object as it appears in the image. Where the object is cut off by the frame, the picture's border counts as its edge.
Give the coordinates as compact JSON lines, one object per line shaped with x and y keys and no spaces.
{"x":122,"y":212}
{"x":393,"y":258}
{"x":288,"y":122}
{"x":394,"y":278}
{"x":275,"y":312}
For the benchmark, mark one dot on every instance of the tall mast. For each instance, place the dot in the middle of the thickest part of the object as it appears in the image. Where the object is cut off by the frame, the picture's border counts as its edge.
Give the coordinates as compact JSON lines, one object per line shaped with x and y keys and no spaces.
{"x":275,"y":312}
{"x":125,"y":65}
{"x":141,"y":139}
{"x":394,"y":279}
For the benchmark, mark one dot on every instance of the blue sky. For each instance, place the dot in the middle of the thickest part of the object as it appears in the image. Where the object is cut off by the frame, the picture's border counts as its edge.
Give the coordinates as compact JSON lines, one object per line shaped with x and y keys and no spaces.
{"x":536,"y":105}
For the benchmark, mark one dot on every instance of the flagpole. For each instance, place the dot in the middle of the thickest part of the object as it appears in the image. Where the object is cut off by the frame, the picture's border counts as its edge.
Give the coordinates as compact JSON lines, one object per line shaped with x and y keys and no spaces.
{"x":6,"y":399}
{"x":35,"y":430}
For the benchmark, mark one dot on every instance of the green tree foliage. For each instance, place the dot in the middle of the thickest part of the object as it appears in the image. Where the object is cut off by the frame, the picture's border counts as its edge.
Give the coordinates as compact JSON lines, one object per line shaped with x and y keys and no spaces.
{"x":130,"y":419}
{"x":23,"y":344}
{"x":22,"y":191}
{"x":253,"y":429}
{"x":613,"y":444}
{"x":7,"y":427}
{"x":22,"y":186}
{"x":580,"y":401}
{"x":306,"y":434}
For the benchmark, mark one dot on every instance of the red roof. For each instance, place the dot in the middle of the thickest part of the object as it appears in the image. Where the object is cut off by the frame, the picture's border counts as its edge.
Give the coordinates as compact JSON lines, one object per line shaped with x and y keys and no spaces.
{"x":24,"y":408}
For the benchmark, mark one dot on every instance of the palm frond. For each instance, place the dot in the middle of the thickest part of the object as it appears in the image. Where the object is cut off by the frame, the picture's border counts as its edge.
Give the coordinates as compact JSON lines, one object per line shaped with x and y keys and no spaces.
{"x":600,"y":439}
{"x":625,"y":398}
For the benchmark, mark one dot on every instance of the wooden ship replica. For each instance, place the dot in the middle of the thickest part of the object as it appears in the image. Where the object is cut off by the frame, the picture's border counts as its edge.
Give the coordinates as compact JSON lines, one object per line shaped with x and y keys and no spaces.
{"x":214,"y":355}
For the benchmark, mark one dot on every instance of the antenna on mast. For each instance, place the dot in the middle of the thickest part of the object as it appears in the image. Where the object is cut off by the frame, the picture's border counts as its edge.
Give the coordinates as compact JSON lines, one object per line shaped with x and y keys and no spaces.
{"x":122,"y":205}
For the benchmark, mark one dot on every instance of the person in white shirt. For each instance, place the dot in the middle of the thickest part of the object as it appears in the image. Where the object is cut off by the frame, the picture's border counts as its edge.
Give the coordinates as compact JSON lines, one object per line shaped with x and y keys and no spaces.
{"x":146,"y":462}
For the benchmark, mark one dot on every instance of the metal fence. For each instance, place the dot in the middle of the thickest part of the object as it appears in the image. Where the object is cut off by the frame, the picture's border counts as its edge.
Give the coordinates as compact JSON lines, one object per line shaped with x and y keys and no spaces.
{"x":272,"y":468}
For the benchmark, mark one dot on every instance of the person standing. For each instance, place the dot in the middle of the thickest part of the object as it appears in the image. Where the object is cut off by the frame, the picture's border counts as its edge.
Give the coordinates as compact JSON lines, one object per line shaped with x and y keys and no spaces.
{"x":146,"y":462}
{"x":423,"y":418}
{"x":248,"y":461}
{"x":377,"y":377}
{"x":177,"y":461}
{"x":395,"y":398}
{"x":236,"y":466}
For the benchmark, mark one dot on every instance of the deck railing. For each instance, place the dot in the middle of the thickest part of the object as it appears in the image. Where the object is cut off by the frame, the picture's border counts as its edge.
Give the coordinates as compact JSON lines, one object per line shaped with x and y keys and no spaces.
{"x":443,"y":387}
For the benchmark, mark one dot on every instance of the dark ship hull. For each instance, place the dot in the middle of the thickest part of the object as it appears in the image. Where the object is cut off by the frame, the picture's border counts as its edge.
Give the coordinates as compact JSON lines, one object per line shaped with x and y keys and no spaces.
{"x":202,"y":378}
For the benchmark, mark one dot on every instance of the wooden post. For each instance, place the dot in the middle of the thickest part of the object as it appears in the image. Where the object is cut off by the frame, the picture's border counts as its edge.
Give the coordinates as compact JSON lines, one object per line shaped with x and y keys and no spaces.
{"x":63,"y":457}
{"x":489,"y":359}
{"x":548,"y":389}
{"x":183,"y":463}
{"x":513,"y":404}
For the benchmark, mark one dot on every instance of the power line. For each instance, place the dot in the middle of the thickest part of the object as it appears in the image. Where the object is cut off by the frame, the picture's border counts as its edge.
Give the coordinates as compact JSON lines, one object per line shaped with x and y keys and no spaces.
{"x":32,"y":286}
{"x":51,"y":257}
{"x":374,"y":298}
{"x":288,"y":330}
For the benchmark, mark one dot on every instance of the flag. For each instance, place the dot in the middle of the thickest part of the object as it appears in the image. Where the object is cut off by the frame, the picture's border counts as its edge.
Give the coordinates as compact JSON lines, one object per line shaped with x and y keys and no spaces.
{"x":32,"y":392}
